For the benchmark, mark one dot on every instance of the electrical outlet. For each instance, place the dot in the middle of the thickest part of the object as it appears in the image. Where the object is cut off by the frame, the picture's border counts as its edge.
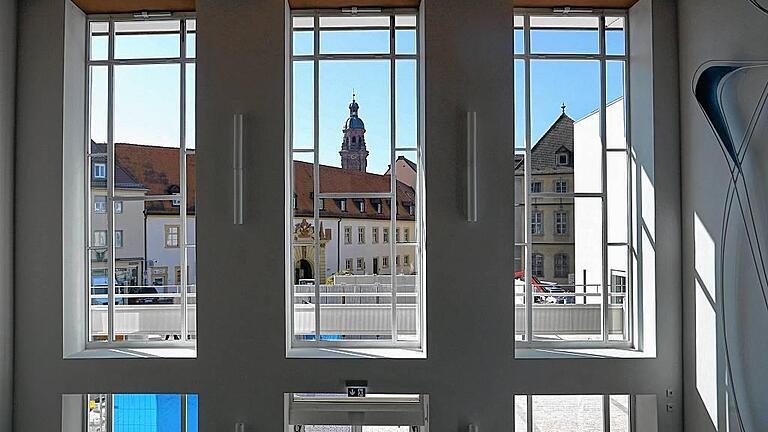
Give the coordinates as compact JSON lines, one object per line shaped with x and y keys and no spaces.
{"x":670,"y":393}
{"x":670,"y":407}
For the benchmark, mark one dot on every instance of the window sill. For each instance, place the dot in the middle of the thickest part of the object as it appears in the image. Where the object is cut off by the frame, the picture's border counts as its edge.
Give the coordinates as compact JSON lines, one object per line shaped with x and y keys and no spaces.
{"x":580,"y":353}
{"x":355,"y":353}
{"x":135,"y":353}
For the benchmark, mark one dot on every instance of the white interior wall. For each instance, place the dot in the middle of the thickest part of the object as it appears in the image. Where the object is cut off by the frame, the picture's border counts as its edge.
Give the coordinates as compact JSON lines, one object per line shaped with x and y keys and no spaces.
{"x":241,"y":372}
{"x":7,"y":120}
{"x":720,"y":30}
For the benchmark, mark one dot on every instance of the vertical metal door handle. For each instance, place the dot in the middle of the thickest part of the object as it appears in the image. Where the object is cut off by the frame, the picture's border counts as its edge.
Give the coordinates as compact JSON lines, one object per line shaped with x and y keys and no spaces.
{"x":237,"y":169}
{"x":472,"y":166}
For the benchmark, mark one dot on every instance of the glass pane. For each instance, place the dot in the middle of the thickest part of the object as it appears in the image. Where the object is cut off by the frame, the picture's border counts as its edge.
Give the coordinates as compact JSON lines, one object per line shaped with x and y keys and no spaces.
{"x":147,"y":105}
{"x":303,"y":247}
{"x":617,"y":197}
{"x":354,"y":21}
{"x":190,"y":131}
{"x":192,"y":413}
{"x":566,"y":413}
{"x":519,"y":107}
{"x":406,"y":105}
{"x":147,"y":39}
{"x":564,"y":35}
{"x":408,"y":283}
{"x":616,"y":105}
{"x":148,"y":170}
{"x":191,"y":38}
{"x":521,"y":323}
{"x":567,"y":270}
{"x":405,"y":42}
{"x":192,"y":289}
{"x":619,"y":412}
{"x":99,"y":40}
{"x":357,"y":305}
{"x":521,"y":413}
{"x":161,"y":412}
{"x":354,"y":42}
{"x":618,"y":298}
{"x":614,"y":36}
{"x":303,"y":105}
{"x":405,"y":21}
{"x":561,"y":145}
{"x":99,"y":103}
{"x":303,"y":43}
{"x":303,"y":22}
{"x":519,"y":35}
{"x":355,"y":128}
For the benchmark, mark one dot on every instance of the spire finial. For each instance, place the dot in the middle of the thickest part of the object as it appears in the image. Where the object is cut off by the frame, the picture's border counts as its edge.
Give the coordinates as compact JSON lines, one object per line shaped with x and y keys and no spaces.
{"x":562,"y":107}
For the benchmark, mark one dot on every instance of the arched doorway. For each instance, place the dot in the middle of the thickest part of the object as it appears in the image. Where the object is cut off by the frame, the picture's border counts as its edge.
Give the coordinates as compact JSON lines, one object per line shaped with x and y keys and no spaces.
{"x":303,"y":270}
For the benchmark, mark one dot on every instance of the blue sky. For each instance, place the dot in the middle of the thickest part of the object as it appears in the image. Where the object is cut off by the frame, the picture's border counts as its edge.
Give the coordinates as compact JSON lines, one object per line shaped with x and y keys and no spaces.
{"x":147,"y":109}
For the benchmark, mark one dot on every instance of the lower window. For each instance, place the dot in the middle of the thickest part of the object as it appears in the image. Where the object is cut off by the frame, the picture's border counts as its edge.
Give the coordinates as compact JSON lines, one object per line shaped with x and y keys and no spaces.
{"x":572,"y":413}
{"x":130,"y":412}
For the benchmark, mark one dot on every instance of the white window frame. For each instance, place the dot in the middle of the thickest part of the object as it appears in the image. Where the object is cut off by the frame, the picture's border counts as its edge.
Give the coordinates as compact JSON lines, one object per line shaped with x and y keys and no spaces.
{"x":390,"y":196}
{"x":99,"y":204}
{"x":360,"y":264}
{"x":169,"y":234}
{"x":526,"y":57}
{"x":100,"y":170}
{"x":607,"y":407}
{"x":385,"y":235}
{"x":92,"y":159}
{"x":537,"y":223}
{"x":361,"y":234}
{"x":347,"y":235}
{"x":375,"y":235}
{"x":348,"y":264}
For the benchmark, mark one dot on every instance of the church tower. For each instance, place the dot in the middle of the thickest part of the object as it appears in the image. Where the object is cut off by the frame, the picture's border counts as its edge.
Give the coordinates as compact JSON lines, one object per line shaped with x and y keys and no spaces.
{"x":354,"y":155}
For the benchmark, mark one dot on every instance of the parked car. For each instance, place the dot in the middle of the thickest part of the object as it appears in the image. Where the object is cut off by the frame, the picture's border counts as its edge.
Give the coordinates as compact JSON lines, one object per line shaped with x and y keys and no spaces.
{"x":544,"y":292}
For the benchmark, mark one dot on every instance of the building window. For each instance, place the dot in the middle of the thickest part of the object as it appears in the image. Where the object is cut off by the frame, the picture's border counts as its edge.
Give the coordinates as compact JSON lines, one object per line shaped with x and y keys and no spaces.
{"x":595,"y":412}
{"x":537,"y":224}
{"x":580,"y":149}
{"x":158,"y":122}
{"x":99,"y":238}
{"x":385,"y":262}
{"x":100,"y":204}
{"x":342,"y":203}
{"x":360,"y":264}
{"x":348,"y":264}
{"x":406,"y":260}
{"x":407,"y":235}
{"x":411,"y":209}
{"x":397,"y":260}
{"x":537,"y":265}
{"x":561,"y":223}
{"x":397,"y":235}
{"x":353,"y":168}
{"x":361,"y":235}
{"x":347,"y":235}
{"x":561,"y":266}
{"x":321,"y":203}
{"x":171,"y":236}
{"x":127,"y":412}
{"x":100,"y":170}
{"x":294,"y":202}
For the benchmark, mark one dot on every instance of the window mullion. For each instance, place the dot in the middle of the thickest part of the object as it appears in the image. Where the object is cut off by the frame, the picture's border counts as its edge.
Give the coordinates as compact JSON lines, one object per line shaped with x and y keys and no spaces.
{"x":111,"y":184}
{"x":316,"y":174}
{"x":527,"y":181}
{"x":393,"y":176}
{"x":183,"y":181}
{"x":604,"y":179}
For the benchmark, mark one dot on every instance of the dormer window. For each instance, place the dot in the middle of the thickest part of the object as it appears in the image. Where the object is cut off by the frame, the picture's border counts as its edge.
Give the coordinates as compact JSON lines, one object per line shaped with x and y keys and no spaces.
{"x":563,"y":159}
{"x":321,"y":204}
{"x":342,"y":205}
{"x":379,"y":208}
{"x":361,"y":206}
{"x":100,"y":170}
{"x":295,"y":202}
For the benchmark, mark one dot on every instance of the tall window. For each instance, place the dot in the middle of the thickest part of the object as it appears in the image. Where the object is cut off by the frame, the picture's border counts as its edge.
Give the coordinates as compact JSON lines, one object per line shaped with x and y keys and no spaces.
{"x":355,"y":112}
{"x":573,"y":413}
{"x":537,"y":224}
{"x":140,"y":152}
{"x":570,"y":132}
{"x":561,"y":223}
{"x":561,"y":265}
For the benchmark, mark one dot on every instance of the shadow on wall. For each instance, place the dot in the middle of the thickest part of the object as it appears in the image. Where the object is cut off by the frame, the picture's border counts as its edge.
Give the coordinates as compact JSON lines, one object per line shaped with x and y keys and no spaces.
{"x":731,"y":282}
